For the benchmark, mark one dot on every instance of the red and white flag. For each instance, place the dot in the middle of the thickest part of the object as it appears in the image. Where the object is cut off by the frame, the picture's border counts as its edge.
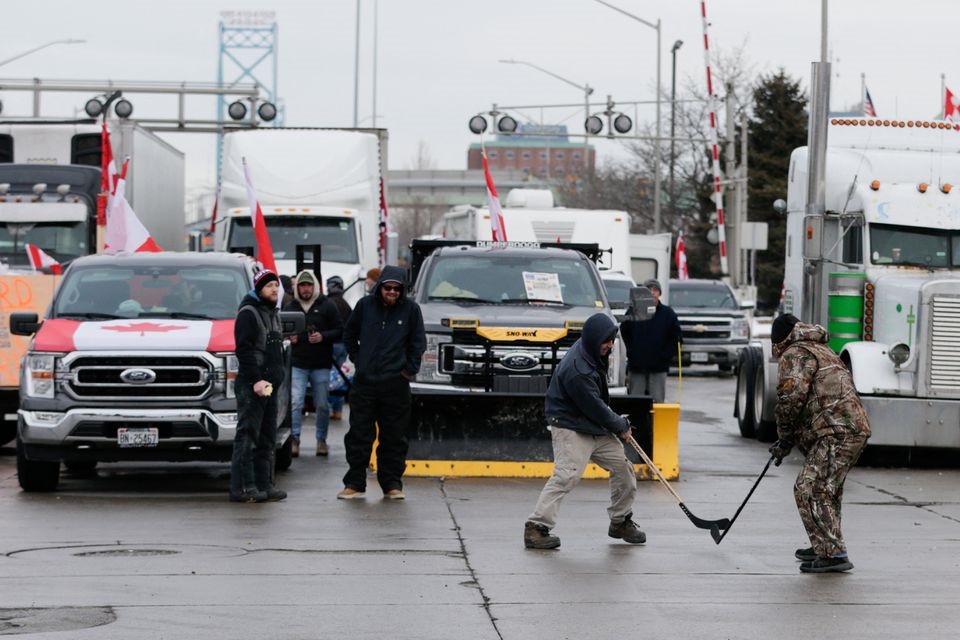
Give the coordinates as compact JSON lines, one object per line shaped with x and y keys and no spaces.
{"x":951,"y":108}
{"x":108,"y":176}
{"x":124,"y":231}
{"x":681,"y":257}
{"x":264,"y":249}
{"x":382,"y":249}
{"x":40,"y":259}
{"x":493,"y":204}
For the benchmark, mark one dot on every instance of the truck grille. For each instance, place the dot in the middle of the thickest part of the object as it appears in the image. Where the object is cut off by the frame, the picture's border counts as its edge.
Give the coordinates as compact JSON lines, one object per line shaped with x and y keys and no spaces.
{"x":101,"y":377}
{"x":524,"y":368}
{"x":697,"y":330}
{"x":945,"y":344}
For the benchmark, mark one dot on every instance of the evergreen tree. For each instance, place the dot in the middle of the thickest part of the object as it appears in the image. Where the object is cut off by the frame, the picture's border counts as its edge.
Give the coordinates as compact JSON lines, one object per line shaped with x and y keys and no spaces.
{"x":778,"y":126}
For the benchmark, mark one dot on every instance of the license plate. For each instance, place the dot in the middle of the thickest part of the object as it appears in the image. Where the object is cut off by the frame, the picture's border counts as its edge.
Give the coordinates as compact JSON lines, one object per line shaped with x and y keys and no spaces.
{"x":128,"y":438}
{"x":699,"y":356}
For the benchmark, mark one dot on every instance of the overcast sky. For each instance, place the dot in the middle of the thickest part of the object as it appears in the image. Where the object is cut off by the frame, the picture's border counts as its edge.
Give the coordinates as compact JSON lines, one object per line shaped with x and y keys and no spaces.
{"x":438,"y":59}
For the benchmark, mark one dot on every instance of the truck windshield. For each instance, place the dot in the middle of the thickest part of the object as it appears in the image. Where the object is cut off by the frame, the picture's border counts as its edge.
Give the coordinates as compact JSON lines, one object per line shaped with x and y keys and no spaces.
{"x":113,"y":291}
{"x":337,"y":236}
{"x":914,"y":246}
{"x":63,"y":241}
{"x":701,"y":296}
{"x":498,"y":278}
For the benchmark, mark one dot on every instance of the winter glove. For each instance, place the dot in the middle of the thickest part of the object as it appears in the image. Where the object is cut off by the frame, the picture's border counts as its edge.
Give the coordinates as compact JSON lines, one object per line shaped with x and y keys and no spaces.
{"x":780,"y":450}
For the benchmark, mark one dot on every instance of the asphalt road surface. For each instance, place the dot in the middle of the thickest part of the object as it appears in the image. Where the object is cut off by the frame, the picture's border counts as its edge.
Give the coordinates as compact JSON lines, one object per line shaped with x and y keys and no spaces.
{"x":155,"y":551}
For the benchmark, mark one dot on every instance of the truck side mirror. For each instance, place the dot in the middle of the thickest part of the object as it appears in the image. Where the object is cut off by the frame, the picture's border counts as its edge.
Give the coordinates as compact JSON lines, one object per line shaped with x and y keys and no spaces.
{"x":24,"y":324}
{"x":642,"y":304}
{"x":292,"y":322}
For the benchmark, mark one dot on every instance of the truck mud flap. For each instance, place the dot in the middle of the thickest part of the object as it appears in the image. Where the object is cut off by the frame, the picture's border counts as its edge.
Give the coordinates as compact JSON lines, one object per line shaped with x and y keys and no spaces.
{"x":505,"y":435}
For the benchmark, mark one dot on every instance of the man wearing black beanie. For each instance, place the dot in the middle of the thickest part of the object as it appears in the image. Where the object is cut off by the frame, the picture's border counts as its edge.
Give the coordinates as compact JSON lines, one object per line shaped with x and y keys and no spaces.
{"x":819,"y":411}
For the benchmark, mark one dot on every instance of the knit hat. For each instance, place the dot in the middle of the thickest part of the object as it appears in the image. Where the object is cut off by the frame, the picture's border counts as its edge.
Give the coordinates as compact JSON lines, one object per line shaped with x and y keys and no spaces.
{"x":334,"y":284}
{"x":782,"y":327}
{"x":653,"y":283}
{"x":262,"y":278}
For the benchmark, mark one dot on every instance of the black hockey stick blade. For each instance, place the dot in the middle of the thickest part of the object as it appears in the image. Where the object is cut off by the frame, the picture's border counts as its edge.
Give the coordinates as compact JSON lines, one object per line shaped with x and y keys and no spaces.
{"x":711,"y":525}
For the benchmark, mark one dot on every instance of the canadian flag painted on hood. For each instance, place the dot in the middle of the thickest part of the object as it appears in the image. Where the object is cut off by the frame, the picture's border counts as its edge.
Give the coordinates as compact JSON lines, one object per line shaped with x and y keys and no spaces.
{"x":125,"y":232}
{"x":136,"y":334}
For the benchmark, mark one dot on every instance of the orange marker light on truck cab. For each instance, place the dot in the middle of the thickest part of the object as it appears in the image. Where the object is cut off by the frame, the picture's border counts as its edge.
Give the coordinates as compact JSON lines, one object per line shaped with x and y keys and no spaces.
{"x":875,"y":185}
{"x":922,"y":187}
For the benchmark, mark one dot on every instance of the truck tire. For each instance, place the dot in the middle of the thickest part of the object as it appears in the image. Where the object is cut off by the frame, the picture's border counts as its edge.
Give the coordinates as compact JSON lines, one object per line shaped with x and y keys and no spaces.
{"x":746,"y":372}
{"x":8,"y":431}
{"x":36,"y":475}
{"x":765,"y":430}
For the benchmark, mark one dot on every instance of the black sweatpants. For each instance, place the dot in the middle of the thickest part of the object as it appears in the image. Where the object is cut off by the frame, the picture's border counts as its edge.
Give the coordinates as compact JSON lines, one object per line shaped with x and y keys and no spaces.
{"x":385,"y":405}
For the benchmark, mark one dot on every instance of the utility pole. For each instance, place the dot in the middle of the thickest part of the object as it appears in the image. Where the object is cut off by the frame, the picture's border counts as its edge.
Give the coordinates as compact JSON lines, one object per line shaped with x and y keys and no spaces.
{"x":730,"y":175}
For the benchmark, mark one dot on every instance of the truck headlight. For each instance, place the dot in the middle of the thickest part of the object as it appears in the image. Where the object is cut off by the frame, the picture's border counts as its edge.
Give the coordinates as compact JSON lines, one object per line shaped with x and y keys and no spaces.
{"x":899,"y":353}
{"x":740,"y":328}
{"x":430,"y":363}
{"x":40,"y":374}
{"x":227,"y":373}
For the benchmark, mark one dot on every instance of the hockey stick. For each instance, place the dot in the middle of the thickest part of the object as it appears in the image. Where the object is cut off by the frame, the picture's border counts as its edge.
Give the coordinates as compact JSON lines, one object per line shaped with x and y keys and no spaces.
{"x":717,"y":536}
{"x":714,"y":526}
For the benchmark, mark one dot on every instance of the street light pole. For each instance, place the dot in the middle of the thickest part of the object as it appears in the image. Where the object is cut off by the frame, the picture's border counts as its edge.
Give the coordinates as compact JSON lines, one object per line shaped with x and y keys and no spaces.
{"x":656,"y":159}
{"x":673,"y":125}
{"x":587,"y":91}
{"x":43,"y":46}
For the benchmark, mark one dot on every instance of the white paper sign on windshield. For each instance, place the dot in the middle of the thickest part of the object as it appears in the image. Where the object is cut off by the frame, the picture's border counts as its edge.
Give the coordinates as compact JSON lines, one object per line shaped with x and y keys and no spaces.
{"x":542,"y":286}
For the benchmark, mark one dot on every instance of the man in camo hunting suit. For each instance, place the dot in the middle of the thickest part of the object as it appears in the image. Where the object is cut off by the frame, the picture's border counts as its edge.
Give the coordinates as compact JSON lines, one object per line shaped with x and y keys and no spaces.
{"x":818,"y":410}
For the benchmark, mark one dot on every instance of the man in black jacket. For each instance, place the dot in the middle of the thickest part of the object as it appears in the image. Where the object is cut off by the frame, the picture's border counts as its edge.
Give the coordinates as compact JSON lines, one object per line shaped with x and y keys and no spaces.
{"x":312,"y":357}
{"x":651,"y":347}
{"x":583,"y":429}
{"x":259,"y":346}
{"x":385,"y":339}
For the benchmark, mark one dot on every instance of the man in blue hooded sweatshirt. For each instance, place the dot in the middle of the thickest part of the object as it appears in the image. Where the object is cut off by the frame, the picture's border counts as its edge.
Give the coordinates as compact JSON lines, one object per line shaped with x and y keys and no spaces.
{"x":583,"y":429}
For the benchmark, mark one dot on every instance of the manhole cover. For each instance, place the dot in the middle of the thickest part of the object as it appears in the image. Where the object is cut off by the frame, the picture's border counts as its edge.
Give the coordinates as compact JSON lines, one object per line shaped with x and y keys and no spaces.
{"x":127,"y":553}
{"x":22,"y":621}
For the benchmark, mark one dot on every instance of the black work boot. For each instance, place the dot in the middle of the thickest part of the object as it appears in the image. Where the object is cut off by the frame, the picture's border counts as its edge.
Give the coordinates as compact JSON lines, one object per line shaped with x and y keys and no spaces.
{"x":806,"y":555}
{"x":627,"y":530}
{"x":537,"y":536}
{"x":826,"y":565}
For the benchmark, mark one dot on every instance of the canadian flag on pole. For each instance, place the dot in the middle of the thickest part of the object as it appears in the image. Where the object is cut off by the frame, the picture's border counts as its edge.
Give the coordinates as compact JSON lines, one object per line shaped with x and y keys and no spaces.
{"x":125,"y":232}
{"x":108,"y":176}
{"x":264,"y":248}
{"x":681,"y":257}
{"x":40,"y":259}
{"x":951,"y":108}
{"x":493,"y":204}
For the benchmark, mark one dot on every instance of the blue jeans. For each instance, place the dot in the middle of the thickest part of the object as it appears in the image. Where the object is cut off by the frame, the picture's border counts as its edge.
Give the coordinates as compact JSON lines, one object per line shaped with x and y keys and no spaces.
{"x":319,"y":380}
{"x":339,"y":357}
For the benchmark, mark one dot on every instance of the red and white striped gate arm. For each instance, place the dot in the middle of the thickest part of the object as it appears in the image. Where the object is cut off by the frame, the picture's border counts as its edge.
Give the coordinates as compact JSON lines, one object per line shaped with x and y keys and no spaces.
{"x":714,"y":148}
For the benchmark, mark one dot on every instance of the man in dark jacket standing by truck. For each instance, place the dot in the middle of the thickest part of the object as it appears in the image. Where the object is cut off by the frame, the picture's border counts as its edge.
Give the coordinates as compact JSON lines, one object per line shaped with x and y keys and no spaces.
{"x":259,"y":343}
{"x":312,"y":357}
{"x":819,"y":411}
{"x":583,"y":428}
{"x":385,"y":339}
{"x":651,"y":346}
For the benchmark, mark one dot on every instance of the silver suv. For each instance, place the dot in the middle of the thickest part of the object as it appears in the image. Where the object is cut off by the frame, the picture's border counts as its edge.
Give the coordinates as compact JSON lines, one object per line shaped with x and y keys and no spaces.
{"x":715,"y":325}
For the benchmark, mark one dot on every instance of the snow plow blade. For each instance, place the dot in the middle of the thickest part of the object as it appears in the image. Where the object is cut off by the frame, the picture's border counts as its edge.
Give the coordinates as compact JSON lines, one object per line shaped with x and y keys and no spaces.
{"x":504,"y":435}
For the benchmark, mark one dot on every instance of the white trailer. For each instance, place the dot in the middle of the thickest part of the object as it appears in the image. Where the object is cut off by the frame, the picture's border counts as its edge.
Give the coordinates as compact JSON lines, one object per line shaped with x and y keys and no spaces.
{"x":880,"y":269}
{"x":315,"y":187}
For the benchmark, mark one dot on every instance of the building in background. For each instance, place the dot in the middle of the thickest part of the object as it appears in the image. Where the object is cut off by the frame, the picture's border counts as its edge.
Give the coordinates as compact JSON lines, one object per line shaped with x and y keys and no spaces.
{"x":543,"y":152}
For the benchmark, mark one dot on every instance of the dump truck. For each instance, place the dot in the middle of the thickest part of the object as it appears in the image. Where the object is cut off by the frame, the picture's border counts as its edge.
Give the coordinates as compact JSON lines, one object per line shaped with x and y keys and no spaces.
{"x":136,"y":361}
{"x":498,"y":319}
{"x":873,"y":255}
{"x":50,"y":197}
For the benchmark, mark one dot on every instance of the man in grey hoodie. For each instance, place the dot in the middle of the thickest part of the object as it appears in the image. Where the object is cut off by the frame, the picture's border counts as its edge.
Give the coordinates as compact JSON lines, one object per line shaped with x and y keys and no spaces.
{"x":583,"y":429}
